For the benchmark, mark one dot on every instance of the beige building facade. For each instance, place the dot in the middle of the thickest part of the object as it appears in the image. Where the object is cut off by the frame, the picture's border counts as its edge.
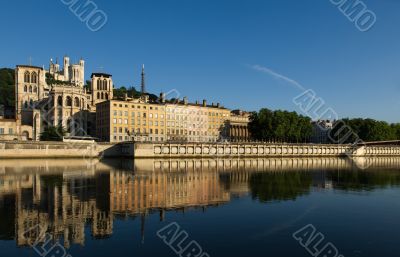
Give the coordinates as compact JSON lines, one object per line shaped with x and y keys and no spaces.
{"x":145,"y":121}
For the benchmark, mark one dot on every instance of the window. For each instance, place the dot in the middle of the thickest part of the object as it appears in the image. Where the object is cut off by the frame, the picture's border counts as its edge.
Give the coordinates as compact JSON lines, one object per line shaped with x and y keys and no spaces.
{"x":115,"y":113}
{"x":126,"y":121}
{"x":27,"y":77}
{"x":151,"y":115}
{"x":33,"y":77}
{"x":115,"y":129}
{"x":115,"y":121}
{"x":30,"y":89}
{"x":10,"y":131}
{"x":126,"y":114}
{"x":68,"y":101}
{"x":120,"y":121}
{"x":76,"y":102}
{"x":25,"y":88}
{"x":1,"y":131}
{"x":133,"y":115}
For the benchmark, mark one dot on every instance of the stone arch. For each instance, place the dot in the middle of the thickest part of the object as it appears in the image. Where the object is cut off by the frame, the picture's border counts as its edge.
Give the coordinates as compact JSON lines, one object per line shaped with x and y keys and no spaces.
{"x":25,"y":135}
{"x":26,"y":104}
{"x":68,"y":101}
{"x":98,"y":84}
{"x":59,"y":101}
{"x":30,"y":89}
{"x":33,"y":77}
{"x":98,"y":95}
{"x":102,"y":95}
{"x":25,"y":88}
{"x":105,"y":84}
{"x":76,"y":102}
{"x":35,"y":89}
{"x":106,"y":95}
{"x":27,"y":77}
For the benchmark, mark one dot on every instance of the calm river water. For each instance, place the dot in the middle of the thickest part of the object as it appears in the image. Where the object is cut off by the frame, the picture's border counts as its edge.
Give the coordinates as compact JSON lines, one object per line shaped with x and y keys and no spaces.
{"x":226,"y":207}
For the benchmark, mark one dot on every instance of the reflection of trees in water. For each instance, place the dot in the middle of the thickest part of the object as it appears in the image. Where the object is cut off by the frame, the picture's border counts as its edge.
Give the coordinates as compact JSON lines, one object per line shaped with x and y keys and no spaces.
{"x":280,"y":186}
{"x":7,"y":217}
{"x":364,"y":180}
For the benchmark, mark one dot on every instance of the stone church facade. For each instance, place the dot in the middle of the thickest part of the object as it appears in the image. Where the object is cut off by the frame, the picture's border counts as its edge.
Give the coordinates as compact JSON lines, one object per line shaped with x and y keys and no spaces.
{"x":58,"y":97}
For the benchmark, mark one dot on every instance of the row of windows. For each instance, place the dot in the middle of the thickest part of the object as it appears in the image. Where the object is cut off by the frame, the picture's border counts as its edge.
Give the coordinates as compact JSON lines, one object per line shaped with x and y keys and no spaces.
{"x":138,"y":122}
{"x":10,"y":131}
{"x":102,"y":95}
{"x":192,"y":112}
{"x":126,"y":138}
{"x":139,"y":107}
{"x":103,"y":85}
{"x":31,"y":89}
{"x":138,"y":131}
{"x":30,"y":77}
{"x":138,"y":114}
{"x":68,"y":101}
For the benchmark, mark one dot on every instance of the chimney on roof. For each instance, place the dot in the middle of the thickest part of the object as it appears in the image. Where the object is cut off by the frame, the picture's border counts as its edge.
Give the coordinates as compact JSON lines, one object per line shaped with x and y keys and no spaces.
{"x":204,"y":103}
{"x":218,"y":105}
{"x":197,"y":102}
{"x":185,"y":100}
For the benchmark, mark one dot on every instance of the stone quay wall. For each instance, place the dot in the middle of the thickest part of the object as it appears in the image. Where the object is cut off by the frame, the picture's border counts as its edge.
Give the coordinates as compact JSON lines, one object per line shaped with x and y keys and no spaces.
{"x":185,"y":150}
{"x":19,"y":149}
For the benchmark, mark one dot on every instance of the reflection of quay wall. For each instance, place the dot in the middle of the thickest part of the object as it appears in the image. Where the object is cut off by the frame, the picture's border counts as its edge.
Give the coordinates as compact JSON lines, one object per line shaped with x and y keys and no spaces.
{"x":148,"y":150}
{"x":143,"y":166}
{"x":139,"y":193}
{"x":11,"y":149}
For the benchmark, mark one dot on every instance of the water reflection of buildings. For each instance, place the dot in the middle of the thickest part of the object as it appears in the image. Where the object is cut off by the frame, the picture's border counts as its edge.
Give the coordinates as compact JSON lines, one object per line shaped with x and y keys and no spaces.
{"x":65,"y":196}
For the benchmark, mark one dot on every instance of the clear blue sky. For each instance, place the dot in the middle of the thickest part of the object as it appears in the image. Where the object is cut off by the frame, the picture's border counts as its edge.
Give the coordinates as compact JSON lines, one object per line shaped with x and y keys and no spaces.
{"x":207,"y":49}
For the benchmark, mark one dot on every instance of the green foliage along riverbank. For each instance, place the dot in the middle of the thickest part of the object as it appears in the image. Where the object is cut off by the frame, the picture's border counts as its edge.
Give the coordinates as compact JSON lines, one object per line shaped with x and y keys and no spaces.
{"x":282,"y":126}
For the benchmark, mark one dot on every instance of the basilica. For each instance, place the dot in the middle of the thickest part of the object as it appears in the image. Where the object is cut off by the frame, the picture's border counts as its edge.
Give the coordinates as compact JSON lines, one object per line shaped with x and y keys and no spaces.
{"x":59,"y":96}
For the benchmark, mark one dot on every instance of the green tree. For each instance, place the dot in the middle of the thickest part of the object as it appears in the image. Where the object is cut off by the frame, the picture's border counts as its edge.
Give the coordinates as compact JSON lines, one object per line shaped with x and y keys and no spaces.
{"x":52,"y":133}
{"x":280,"y":125}
{"x":7,"y":87}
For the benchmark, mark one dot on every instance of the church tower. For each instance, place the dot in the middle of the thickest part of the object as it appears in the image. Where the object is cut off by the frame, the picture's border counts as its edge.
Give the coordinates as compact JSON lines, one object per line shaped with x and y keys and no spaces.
{"x":102,"y":88}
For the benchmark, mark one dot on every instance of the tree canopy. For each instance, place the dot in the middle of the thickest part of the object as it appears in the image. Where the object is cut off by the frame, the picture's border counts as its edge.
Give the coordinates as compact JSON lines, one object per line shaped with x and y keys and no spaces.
{"x":349,"y":130}
{"x":280,"y":125}
{"x":7,"y":87}
{"x":52,"y":133}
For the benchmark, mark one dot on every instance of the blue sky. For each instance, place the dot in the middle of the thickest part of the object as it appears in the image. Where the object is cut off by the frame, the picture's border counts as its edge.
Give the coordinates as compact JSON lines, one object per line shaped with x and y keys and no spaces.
{"x":208,"y":49}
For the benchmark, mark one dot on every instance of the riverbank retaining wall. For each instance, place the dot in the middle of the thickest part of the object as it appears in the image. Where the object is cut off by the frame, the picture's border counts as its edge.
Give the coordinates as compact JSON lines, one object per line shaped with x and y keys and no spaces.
{"x":162,"y":150}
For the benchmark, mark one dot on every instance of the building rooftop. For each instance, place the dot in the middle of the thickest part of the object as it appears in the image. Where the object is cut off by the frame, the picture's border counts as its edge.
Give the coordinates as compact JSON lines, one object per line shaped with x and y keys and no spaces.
{"x":29,"y":66}
{"x":100,"y":74}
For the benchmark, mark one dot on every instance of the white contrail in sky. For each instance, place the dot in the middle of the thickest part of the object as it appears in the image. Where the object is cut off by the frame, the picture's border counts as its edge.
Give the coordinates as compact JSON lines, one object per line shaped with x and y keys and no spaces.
{"x":277,"y":76}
